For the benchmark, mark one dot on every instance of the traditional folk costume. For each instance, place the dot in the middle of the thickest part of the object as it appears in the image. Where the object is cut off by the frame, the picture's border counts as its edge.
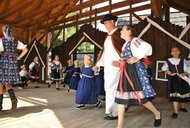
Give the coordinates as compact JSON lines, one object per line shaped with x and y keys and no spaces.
{"x":178,"y":87}
{"x":134,"y":86}
{"x":24,"y":77}
{"x":75,"y":78}
{"x":113,"y":44}
{"x":56,"y":68}
{"x":99,"y":82}
{"x":34,"y":68}
{"x":68,"y":71}
{"x":9,"y":70}
{"x":86,"y":90}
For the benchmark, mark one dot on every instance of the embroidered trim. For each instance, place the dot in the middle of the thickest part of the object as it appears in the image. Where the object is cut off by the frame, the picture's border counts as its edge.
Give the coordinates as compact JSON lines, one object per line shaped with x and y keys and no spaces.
{"x":130,"y":95}
{"x":179,"y":95}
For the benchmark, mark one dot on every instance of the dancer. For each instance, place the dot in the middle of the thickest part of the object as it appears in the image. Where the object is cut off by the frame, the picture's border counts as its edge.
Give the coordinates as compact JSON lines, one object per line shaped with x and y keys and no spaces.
{"x":9,"y":70}
{"x":179,"y":89}
{"x":56,"y":68}
{"x":111,"y":51}
{"x":134,"y":86}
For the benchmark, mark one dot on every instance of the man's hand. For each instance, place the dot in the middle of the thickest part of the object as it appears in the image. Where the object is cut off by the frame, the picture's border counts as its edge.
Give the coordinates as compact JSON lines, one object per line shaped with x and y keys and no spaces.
{"x":132,"y":60}
{"x":116,"y":63}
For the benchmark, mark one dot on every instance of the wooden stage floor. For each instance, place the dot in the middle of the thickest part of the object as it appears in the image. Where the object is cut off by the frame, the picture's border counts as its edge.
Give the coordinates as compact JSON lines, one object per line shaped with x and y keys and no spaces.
{"x":49,"y":108}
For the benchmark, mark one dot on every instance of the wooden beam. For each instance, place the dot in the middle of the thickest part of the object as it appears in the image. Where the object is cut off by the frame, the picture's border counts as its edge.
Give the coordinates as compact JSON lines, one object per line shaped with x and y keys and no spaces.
{"x":5,"y":6}
{"x":110,"y":6}
{"x":16,"y":9}
{"x":130,"y":15}
{"x":65,"y":7}
{"x":136,"y":16}
{"x":140,"y":8}
{"x":53,"y":41}
{"x":72,"y":9}
{"x":37,"y":12}
{"x":93,"y":12}
{"x":156,"y":6}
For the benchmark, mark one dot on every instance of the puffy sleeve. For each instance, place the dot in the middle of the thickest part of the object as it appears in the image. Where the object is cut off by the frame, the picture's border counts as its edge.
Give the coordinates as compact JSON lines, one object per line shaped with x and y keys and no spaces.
{"x":60,"y":66}
{"x":140,"y":48}
{"x":100,"y":62}
{"x":31,"y":65}
{"x":165,"y":67}
{"x":1,"y":45}
{"x":186,"y":66}
{"x":21,"y":45}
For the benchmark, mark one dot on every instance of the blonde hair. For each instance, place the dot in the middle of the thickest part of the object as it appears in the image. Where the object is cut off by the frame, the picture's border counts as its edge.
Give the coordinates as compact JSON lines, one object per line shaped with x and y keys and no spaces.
{"x":88,"y":57}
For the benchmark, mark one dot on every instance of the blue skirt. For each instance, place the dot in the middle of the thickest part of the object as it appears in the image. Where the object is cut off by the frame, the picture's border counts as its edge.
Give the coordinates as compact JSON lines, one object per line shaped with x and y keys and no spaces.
{"x":86,"y":91}
{"x":99,"y":83}
{"x":74,"y":82}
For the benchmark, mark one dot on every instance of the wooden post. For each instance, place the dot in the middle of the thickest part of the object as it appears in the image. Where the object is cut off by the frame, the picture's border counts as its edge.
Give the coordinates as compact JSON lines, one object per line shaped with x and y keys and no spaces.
{"x":110,"y":4}
{"x":130,"y":16}
{"x":95,"y":17}
{"x":188,"y":32}
{"x":167,"y":13}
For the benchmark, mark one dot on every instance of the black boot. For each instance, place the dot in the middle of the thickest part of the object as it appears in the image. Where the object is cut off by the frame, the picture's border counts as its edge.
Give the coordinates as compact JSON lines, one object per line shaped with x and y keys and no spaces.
{"x":13,"y":99}
{"x":1,"y":102}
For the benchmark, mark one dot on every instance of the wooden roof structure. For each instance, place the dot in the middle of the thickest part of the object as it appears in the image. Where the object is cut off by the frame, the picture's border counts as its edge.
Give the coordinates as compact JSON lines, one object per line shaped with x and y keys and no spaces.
{"x":35,"y":18}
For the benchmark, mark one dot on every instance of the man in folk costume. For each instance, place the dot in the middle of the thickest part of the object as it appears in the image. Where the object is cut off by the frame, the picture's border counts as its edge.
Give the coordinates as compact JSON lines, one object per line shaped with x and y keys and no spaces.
{"x":111,"y":52}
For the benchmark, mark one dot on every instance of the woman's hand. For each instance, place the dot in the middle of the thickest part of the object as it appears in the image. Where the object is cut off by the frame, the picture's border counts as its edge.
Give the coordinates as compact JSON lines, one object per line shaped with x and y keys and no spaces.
{"x":169,"y":73}
{"x":18,"y":58}
{"x":116,"y":63}
{"x":95,"y":69}
{"x":183,"y":74}
{"x":132,"y":60}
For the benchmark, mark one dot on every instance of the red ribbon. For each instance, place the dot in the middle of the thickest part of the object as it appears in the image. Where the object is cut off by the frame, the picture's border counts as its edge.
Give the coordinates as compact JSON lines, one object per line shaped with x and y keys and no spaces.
{"x":123,"y":71}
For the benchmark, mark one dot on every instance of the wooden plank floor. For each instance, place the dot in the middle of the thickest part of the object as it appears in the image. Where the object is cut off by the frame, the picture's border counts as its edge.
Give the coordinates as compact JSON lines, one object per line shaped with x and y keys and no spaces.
{"x":48,"y":108}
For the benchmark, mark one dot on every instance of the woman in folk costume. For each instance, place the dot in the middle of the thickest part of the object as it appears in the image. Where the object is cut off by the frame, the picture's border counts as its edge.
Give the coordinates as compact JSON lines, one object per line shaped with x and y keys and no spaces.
{"x":179,"y":89}
{"x":86,"y":90}
{"x":76,"y":76}
{"x":111,"y":51}
{"x":134,"y":86}
{"x":56,"y":68}
{"x":9,"y":70}
{"x":68,"y":75}
{"x":34,"y":70}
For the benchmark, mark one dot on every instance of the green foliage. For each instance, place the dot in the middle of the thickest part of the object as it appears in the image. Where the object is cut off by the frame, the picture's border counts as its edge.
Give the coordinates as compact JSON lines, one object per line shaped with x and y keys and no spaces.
{"x":85,"y":47}
{"x":69,"y":32}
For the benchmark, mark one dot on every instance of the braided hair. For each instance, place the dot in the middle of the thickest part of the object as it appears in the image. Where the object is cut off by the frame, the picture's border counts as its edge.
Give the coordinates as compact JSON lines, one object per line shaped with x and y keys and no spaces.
{"x":8,"y":30}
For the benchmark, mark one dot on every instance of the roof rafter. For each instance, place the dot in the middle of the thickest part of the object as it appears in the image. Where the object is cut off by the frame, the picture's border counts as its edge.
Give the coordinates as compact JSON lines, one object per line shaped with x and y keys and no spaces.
{"x":143,"y":7}
{"x":16,"y":9}
{"x":74,"y":8}
{"x":92,"y":12}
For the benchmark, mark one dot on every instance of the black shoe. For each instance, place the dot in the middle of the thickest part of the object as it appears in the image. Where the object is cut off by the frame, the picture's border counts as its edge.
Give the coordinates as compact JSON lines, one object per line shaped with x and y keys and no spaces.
{"x":174,"y":115}
{"x":110,"y":117}
{"x":58,"y":88}
{"x":183,"y":109}
{"x":68,"y":90}
{"x":81,"y":106}
{"x":158,"y":122}
{"x":49,"y":85}
{"x":36,"y":87}
{"x":98,"y":104}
